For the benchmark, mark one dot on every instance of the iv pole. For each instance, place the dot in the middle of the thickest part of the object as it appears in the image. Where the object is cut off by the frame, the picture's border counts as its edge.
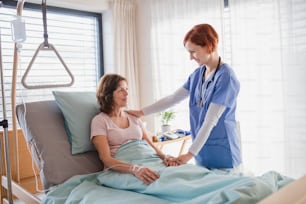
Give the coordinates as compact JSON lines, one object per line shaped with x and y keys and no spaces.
{"x":4,"y":124}
{"x":16,"y":175}
{"x":11,"y":183}
{"x":6,"y":180}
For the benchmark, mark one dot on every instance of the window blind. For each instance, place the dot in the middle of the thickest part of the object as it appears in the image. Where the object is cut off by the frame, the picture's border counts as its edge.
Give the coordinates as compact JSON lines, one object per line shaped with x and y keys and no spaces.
{"x":76,"y":35}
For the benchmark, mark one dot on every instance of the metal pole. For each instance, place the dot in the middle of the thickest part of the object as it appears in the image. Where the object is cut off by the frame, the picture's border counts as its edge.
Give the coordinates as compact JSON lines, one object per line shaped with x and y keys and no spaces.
{"x":4,"y":124}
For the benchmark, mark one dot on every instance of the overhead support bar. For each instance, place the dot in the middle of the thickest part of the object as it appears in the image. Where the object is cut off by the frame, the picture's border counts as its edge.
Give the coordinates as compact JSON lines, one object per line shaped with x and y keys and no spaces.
{"x":46,"y":46}
{"x":43,"y":47}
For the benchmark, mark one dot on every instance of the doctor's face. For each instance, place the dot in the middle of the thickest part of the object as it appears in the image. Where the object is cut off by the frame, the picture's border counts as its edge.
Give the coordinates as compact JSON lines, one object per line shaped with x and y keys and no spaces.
{"x":120,"y":95}
{"x":198,"y":53}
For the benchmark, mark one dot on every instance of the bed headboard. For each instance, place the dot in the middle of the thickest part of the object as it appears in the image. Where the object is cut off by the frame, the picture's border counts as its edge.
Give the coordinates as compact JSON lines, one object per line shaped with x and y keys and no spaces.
{"x":42,"y":124}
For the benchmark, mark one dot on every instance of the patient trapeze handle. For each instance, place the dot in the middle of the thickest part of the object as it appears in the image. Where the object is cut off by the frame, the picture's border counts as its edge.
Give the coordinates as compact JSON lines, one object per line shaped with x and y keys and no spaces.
{"x":46,"y":46}
{"x":43,"y":47}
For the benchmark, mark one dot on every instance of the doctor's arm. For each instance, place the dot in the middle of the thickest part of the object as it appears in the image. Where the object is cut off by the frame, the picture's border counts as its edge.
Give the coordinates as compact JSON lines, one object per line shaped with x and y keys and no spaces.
{"x":212,"y":117}
{"x":162,"y":104}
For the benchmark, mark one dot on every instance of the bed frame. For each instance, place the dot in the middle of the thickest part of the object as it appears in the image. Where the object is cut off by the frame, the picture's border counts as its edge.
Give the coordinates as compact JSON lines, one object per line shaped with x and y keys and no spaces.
{"x":43,"y":127}
{"x":294,"y":193}
{"x":19,"y":192}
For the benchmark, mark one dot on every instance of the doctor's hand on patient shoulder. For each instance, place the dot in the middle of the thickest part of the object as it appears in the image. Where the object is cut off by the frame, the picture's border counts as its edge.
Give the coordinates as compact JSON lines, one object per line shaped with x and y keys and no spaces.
{"x":145,"y":174}
{"x":137,"y":113}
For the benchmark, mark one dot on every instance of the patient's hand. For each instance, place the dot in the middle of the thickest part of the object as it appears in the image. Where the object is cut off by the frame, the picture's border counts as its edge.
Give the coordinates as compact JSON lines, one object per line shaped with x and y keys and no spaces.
{"x":137,"y":113}
{"x":145,"y":174}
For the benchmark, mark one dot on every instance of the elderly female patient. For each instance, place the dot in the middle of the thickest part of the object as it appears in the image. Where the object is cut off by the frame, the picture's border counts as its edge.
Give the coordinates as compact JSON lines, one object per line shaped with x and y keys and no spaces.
{"x":113,"y":127}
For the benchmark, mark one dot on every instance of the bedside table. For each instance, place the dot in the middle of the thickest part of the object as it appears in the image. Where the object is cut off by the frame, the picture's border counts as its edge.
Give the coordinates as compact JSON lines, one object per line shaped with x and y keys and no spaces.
{"x":184,"y":139}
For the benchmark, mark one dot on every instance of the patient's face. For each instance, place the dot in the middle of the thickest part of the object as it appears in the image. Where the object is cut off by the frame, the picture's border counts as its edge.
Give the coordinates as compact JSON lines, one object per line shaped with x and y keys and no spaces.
{"x":120,"y":95}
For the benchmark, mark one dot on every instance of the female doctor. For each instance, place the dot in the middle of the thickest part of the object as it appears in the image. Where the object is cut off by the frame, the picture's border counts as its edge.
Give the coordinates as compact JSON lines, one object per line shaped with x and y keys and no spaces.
{"x":212,"y":89}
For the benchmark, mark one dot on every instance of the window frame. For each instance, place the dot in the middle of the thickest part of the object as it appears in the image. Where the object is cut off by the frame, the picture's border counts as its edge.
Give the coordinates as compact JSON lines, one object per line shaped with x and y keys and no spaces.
{"x":99,"y":68}
{"x":37,"y":7}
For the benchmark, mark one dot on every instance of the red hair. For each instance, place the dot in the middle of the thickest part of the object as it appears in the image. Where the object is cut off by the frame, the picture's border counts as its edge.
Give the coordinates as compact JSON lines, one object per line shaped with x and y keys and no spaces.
{"x":203,"y":35}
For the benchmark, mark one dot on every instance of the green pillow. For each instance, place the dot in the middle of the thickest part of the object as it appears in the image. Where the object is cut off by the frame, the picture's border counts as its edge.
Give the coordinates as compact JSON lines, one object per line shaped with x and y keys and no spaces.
{"x":78,"y":109}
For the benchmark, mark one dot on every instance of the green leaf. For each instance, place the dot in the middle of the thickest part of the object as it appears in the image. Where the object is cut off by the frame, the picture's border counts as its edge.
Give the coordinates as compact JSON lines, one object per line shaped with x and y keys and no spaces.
{"x":167,"y":116}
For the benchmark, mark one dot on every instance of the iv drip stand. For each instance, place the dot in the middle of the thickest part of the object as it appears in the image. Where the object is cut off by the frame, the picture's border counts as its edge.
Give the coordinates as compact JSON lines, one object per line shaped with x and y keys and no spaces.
{"x":4,"y":124}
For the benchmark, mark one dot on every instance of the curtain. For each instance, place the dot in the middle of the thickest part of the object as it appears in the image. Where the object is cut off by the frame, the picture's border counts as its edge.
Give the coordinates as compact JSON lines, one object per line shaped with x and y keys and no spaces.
{"x":267,"y":52}
{"x":164,"y":61}
{"x":125,"y":47}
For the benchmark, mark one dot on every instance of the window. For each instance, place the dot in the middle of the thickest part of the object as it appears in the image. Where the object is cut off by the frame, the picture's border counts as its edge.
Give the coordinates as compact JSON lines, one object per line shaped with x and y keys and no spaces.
{"x":76,"y":36}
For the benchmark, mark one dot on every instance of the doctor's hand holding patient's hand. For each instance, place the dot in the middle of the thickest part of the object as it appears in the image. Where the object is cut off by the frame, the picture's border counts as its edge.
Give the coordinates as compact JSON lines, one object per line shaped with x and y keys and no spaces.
{"x":137,"y":113}
{"x":170,"y":161}
{"x":184,"y":158}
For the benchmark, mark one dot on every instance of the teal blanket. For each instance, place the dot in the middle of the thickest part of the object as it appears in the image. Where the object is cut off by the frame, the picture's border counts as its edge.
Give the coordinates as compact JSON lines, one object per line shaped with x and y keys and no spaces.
{"x":182,"y":184}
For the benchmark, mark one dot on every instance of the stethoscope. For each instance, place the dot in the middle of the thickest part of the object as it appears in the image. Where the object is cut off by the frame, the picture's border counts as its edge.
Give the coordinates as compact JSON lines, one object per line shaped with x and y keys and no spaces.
{"x":200,"y":104}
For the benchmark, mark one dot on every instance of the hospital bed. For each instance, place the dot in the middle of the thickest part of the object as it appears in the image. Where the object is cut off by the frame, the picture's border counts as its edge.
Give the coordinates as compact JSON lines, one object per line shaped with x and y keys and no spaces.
{"x":71,"y":177}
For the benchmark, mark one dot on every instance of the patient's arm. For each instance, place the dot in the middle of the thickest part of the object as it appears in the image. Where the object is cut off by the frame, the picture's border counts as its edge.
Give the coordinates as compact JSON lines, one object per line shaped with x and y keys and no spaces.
{"x":168,"y":160}
{"x":146,"y":137}
{"x":145,"y":174}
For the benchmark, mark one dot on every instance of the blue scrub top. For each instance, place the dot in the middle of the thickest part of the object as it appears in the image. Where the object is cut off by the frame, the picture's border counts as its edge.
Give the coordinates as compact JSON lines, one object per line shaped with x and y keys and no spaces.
{"x":222,"y":149}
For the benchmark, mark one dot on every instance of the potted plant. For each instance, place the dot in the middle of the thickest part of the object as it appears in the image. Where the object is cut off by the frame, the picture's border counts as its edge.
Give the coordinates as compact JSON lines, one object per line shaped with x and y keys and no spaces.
{"x":166,"y":117}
